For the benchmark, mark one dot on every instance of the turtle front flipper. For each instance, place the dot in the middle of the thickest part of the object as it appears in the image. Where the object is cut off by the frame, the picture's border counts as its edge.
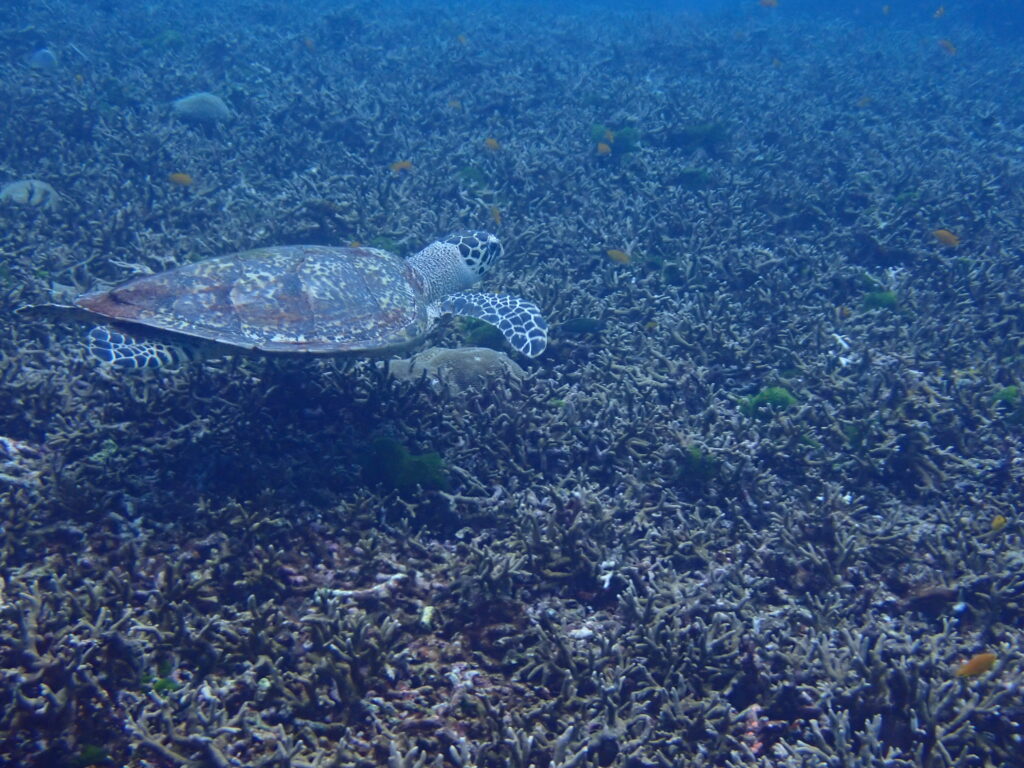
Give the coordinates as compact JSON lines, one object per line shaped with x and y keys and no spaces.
{"x":520,"y":321}
{"x":124,"y":351}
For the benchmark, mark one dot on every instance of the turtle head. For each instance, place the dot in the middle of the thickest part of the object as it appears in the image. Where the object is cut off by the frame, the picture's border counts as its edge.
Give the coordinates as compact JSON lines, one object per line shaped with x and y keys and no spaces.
{"x":479,"y":250}
{"x":454,"y":263}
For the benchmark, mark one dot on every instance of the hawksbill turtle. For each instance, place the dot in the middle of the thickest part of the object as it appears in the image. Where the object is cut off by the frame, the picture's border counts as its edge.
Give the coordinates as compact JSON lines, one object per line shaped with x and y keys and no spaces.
{"x":302,"y":299}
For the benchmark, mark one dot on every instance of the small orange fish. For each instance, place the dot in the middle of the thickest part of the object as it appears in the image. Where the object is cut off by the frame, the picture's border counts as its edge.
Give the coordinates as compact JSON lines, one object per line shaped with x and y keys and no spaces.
{"x":999,"y":522}
{"x":495,"y":214}
{"x":463,"y":40}
{"x":947,"y":46}
{"x":492,"y":144}
{"x":770,"y":3}
{"x":939,"y":12}
{"x":455,"y":104}
{"x":978,"y":664}
{"x":886,"y":9}
{"x":863,"y":101}
{"x":309,"y":44}
{"x":603,"y":149}
{"x":947,"y":238}
{"x":401,"y":165}
{"x":609,"y":135}
{"x":776,"y":63}
{"x":355,"y":244}
{"x":180,"y":179}
{"x":619,"y":257}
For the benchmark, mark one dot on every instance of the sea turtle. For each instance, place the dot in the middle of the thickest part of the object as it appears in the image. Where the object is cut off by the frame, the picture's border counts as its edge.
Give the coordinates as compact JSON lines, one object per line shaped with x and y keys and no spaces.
{"x":303,"y":299}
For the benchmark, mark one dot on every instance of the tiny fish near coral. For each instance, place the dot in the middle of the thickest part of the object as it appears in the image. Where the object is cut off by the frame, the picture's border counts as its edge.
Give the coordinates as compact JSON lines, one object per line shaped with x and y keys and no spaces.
{"x":180,"y":179}
{"x":401,"y":165}
{"x":947,"y":238}
{"x":978,"y":664}
{"x":492,"y":144}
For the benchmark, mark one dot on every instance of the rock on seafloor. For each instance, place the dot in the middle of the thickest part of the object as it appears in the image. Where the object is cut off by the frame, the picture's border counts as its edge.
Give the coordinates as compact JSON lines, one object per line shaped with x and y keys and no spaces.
{"x":460,"y":368}
{"x":29,"y":192}
{"x":201,"y":107}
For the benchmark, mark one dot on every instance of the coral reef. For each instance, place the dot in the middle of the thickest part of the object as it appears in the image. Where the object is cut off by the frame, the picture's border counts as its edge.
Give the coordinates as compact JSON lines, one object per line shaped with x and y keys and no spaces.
{"x":603,"y":561}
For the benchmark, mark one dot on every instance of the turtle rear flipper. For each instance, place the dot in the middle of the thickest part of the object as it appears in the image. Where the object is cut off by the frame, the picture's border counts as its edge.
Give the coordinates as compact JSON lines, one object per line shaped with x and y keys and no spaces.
{"x":124,"y":351}
{"x":520,"y":321}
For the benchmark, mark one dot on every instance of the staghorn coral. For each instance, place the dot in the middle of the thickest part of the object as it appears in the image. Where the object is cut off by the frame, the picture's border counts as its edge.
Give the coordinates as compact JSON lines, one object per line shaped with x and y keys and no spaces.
{"x":624,"y":570}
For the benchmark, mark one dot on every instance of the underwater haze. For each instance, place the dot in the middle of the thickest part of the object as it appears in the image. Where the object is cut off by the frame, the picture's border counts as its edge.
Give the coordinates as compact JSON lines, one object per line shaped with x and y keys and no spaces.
{"x":756,"y":504}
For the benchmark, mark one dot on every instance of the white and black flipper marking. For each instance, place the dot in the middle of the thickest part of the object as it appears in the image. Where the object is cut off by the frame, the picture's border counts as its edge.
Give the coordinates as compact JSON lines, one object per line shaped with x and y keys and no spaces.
{"x":124,"y":351}
{"x":519,"y":321}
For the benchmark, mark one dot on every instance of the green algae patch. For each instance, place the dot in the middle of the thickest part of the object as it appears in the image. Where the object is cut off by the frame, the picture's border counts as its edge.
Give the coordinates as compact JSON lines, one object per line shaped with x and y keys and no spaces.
{"x":1007,"y":397}
{"x":1008,"y":404}
{"x":90,"y":754}
{"x":768,"y":400}
{"x":696,"y":468}
{"x":881,"y":300}
{"x":481,"y":334}
{"x":391,"y":465}
{"x":165,"y":685}
{"x":161,"y":683}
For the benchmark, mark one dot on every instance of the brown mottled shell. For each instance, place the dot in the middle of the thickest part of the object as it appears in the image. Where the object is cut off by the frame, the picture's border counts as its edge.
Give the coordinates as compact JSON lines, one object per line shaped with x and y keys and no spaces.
{"x":299,"y":298}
